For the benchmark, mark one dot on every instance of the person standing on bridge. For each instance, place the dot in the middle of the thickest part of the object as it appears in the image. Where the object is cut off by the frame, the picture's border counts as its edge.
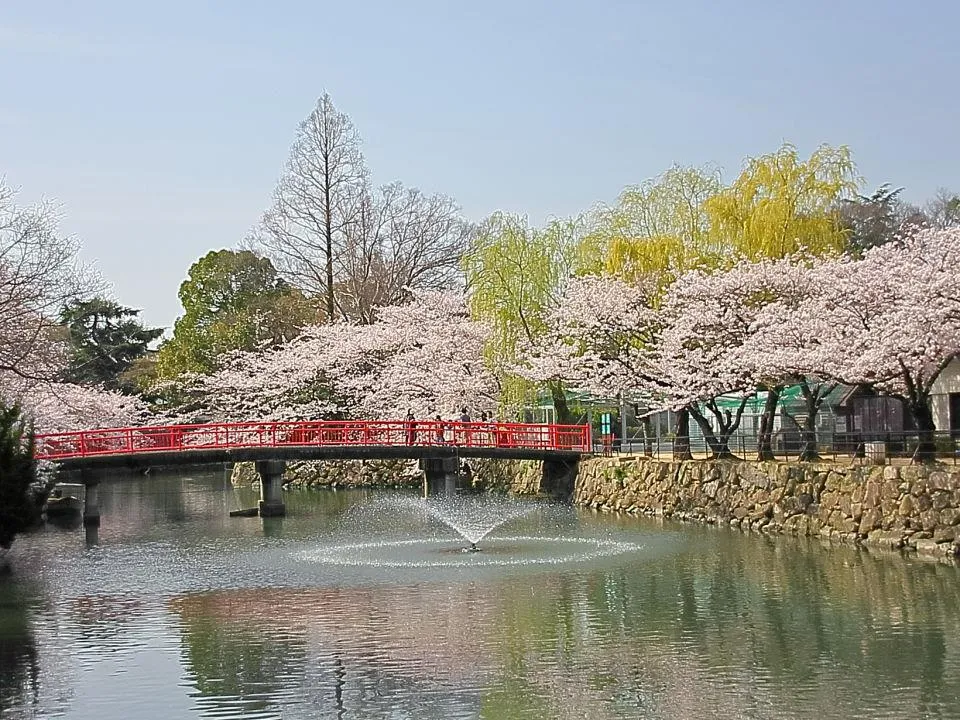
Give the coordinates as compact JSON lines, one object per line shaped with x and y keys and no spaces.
{"x":486,"y":432}
{"x":411,"y":427}
{"x":467,"y":432}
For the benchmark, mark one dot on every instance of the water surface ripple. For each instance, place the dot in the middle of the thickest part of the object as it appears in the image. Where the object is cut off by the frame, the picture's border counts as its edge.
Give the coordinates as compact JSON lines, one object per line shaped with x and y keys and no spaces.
{"x":365,"y":605}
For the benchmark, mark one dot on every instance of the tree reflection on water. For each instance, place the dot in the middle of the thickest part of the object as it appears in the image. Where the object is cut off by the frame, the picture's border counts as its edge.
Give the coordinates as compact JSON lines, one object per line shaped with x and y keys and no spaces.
{"x":19,"y":665}
{"x":761,"y":625}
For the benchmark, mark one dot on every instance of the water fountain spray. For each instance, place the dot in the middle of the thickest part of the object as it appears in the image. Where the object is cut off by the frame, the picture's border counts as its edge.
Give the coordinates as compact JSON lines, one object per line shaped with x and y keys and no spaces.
{"x":473,"y":518}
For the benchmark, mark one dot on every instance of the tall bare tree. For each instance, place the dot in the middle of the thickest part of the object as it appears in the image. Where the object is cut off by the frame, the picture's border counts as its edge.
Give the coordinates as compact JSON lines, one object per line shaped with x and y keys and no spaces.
{"x":328,"y":232}
{"x":39,"y":274}
{"x":400,"y":240}
{"x":943,"y":210}
{"x":317,"y":197}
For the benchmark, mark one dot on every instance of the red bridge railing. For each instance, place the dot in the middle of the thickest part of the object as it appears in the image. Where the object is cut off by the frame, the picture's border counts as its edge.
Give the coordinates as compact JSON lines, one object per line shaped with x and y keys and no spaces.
{"x":125,"y":441}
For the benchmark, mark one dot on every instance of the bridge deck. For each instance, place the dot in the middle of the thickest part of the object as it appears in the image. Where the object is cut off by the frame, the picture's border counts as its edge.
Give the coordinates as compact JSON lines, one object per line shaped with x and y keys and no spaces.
{"x":311,"y":440}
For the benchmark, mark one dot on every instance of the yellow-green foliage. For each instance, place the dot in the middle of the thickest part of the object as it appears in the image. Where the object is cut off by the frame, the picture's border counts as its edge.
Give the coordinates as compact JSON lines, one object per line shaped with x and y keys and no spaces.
{"x":514,"y":273}
{"x":781,"y":204}
{"x":683,"y":219}
{"x":656,"y":229}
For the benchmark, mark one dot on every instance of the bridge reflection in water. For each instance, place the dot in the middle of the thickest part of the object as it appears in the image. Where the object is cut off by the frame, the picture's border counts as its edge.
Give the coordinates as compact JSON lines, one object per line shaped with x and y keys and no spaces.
{"x":438,"y":445}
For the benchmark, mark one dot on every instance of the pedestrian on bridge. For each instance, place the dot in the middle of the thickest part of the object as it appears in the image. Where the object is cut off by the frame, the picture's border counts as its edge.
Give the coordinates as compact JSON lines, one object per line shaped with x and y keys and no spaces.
{"x":411,"y":428}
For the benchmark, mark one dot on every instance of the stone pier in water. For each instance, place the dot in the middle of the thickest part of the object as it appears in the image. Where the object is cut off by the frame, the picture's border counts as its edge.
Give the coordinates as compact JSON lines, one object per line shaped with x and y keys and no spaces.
{"x":271,"y":487}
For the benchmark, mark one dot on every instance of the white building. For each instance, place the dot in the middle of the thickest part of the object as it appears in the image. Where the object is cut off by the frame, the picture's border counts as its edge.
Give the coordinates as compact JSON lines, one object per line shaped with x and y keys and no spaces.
{"x":945,"y":399}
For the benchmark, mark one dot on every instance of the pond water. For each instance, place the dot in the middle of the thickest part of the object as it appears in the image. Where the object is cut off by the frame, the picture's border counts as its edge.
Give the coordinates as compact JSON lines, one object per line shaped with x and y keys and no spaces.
{"x":357,"y":606}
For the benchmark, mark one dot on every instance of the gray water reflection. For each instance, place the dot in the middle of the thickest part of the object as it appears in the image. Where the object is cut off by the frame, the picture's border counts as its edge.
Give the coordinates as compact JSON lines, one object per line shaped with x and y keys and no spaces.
{"x":180,"y":611}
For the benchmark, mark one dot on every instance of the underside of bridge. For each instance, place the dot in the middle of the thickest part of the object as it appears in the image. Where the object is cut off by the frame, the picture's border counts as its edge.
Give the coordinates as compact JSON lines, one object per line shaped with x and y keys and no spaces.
{"x":441,"y":468}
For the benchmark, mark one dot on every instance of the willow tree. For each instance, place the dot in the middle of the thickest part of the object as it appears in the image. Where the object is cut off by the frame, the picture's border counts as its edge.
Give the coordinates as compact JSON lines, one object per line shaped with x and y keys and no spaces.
{"x":654,"y":230}
{"x":781,"y":205}
{"x":514,"y":276}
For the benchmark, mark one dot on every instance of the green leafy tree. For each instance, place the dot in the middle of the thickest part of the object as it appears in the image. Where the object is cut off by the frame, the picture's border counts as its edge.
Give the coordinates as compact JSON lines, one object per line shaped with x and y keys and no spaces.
{"x":872,"y":220}
{"x":18,"y":509}
{"x":232,"y":300}
{"x":514,"y":273}
{"x":105,"y":340}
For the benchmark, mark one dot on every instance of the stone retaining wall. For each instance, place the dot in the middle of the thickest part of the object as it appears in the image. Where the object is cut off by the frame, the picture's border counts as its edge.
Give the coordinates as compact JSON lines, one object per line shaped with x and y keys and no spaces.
{"x":517,"y":477}
{"x":912,"y":507}
{"x":340,"y":473}
{"x":520,"y":477}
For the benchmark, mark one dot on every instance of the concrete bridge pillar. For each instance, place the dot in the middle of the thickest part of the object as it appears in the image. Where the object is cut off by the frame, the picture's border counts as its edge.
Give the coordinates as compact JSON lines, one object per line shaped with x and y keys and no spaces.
{"x":440,"y":476}
{"x":558,"y":478}
{"x":271,"y":487}
{"x":91,"y":500}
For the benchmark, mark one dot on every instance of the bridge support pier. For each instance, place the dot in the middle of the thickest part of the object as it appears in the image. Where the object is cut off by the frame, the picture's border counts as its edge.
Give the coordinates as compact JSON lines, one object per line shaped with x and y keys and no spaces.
{"x":91,"y":500}
{"x":271,"y":487}
{"x":440,"y":476}
{"x":558,"y":478}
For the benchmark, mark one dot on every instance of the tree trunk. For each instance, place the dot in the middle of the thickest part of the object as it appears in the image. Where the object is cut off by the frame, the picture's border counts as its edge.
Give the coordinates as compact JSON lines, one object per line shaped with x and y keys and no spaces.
{"x":681,"y":442}
{"x":328,"y":239}
{"x":647,"y":436}
{"x":717,"y":444}
{"x":765,"y":435}
{"x":560,"y":407}
{"x":808,"y":430}
{"x":808,"y":440}
{"x":727,"y":424}
{"x":926,"y":429}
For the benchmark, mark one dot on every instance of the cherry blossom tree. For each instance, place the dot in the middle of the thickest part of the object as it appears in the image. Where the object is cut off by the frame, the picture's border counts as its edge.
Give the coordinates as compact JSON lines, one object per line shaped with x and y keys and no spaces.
{"x":61,"y":407}
{"x":39,"y":275}
{"x":707,"y":318}
{"x":425,"y":356}
{"x":599,"y":339}
{"x":890,"y":321}
{"x":430,"y":357}
{"x":759,"y":293}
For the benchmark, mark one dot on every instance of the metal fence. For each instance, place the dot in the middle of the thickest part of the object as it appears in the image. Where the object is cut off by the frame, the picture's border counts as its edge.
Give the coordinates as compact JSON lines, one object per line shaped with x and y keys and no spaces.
{"x":867,"y":448}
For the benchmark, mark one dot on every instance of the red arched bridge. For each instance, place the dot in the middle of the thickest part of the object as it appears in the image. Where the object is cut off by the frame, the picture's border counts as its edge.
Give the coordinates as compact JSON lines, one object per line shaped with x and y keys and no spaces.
{"x":438,"y":445}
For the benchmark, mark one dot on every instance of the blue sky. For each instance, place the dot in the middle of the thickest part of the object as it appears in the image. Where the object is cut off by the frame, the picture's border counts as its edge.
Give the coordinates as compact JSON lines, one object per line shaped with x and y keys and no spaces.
{"x":162,"y":127}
